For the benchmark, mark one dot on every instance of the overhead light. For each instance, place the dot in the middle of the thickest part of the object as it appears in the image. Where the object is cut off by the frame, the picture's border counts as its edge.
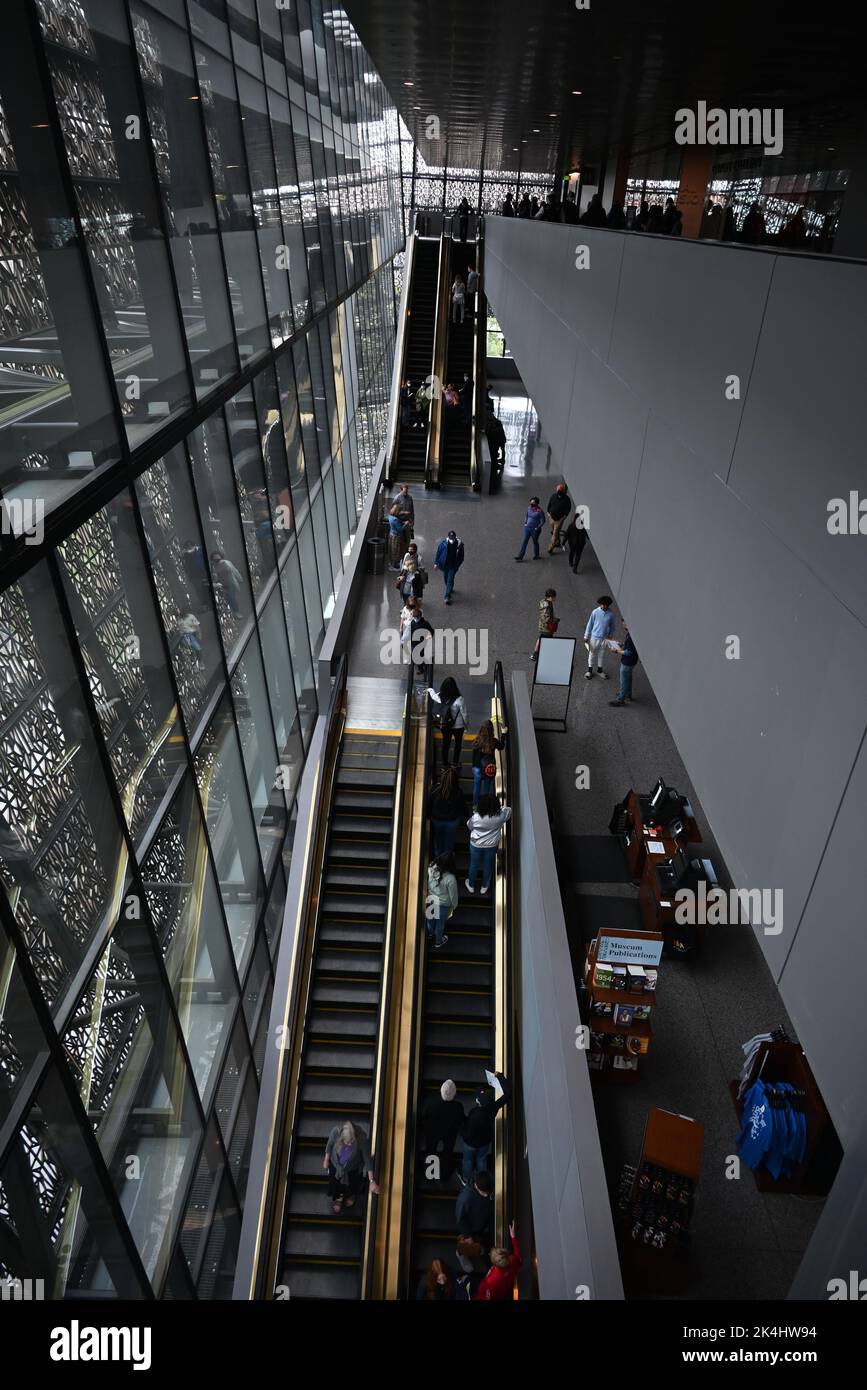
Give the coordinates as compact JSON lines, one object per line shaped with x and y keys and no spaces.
{"x":576,"y":94}
{"x":832,"y":149}
{"x":535,"y":130}
{"x":409,"y":84}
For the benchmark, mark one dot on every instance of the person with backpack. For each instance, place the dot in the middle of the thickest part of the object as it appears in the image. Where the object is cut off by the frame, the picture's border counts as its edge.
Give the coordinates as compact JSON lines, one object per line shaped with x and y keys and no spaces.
{"x":628,"y":663}
{"x":533,"y":523}
{"x":484,"y":826}
{"x":451,"y":716}
{"x":484,"y":766}
{"x":559,"y":507}
{"x":442,"y":897}
{"x":548,"y":624}
{"x":448,"y":558}
{"x":447,"y":808}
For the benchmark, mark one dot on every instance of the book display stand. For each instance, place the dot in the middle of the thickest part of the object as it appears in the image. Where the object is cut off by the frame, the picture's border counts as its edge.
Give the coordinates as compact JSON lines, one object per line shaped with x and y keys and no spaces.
{"x":620,"y":974}
{"x":656,"y":1200}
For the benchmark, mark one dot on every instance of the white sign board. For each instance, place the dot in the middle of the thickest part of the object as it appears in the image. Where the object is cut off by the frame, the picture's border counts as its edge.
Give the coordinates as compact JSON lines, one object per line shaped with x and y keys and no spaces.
{"x":629,"y":950}
{"x":554,"y":662}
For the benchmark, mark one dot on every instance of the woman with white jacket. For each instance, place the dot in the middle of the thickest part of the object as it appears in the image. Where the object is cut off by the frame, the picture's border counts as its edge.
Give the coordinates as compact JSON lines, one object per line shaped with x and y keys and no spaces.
{"x":484,"y":826}
{"x":451,"y":708}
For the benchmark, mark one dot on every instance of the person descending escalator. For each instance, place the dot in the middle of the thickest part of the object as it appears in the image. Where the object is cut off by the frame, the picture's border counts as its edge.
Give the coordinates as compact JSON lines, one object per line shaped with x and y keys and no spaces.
{"x":347,"y":1161}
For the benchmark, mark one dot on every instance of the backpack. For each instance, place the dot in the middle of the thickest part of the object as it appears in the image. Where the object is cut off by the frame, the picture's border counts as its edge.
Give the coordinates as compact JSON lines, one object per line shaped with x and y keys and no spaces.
{"x":445,"y":718}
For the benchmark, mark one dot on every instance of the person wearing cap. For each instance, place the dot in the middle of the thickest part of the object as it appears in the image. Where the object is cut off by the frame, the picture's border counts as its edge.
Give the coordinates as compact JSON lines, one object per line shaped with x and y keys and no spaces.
{"x":441,"y":1122}
{"x":478,"y":1131}
{"x":449,"y":558}
{"x":559,"y":507}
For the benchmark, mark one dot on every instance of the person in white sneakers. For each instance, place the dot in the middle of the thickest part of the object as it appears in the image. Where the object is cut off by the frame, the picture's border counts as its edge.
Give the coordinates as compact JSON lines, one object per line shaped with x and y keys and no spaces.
{"x":484,"y":826}
{"x":599,"y":630}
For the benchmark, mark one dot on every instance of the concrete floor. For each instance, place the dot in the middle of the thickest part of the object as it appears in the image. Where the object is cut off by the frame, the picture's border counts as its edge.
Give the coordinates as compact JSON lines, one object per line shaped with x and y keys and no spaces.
{"x":745,"y":1245}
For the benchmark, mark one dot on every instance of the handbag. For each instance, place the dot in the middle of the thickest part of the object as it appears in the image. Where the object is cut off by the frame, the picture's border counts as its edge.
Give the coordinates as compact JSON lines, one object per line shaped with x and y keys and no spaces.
{"x":422,"y":574}
{"x":553,"y":625}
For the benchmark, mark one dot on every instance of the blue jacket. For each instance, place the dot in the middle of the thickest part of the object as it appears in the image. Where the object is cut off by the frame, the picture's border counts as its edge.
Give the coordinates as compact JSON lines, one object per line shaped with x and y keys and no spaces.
{"x":443,"y":552}
{"x":535,"y":519}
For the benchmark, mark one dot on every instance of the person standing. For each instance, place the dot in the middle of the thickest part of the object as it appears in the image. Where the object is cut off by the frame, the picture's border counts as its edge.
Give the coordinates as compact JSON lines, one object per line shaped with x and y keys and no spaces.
{"x":465,"y":394}
{"x":449,"y":558}
{"x":442,"y":1120}
{"x":478,"y":1131}
{"x":496,"y":441}
{"x":484,"y":747}
{"x":437,"y":1285}
{"x":508,"y":206}
{"x":452,"y":715}
{"x":406,"y":402}
{"x":406,"y":506}
{"x":524,"y":209}
{"x":412,"y":577}
{"x":628,"y":663}
{"x":421,"y":640}
{"x":422,"y":405}
{"x":559,"y":507}
{"x":459,"y":294}
{"x":548,"y":623}
{"x":347,"y":1160}
{"x":447,"y":807}
{"x":499,"y":1281}
{"x":463,"y":215}
{"x":473,"y":1211}
{"x":472,"y":290}
{"x":533,"y":523}
{"x":600,"y":626}
{"x":442,"y":897}
{"x":484,"y":826}
{"x":396,"y":537}
{"x":227,"y":575}
{"x":576,"y":539}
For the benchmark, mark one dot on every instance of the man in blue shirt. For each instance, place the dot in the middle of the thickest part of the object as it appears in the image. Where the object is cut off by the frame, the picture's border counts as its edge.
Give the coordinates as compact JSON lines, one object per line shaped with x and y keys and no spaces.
{"x":628,"y":662}
{"x":600,"y":626}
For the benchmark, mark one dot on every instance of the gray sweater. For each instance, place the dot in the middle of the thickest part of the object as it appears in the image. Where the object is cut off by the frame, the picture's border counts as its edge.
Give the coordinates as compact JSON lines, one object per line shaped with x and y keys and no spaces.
{"x":359,"y":1156}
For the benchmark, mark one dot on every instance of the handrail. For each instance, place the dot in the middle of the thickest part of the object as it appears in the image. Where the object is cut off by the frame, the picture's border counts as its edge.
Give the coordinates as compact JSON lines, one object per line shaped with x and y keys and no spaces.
{"x":381,"y":1073}
{"x":398,"y":375}
{"x":434,"y":440}
{"x":503,"y":975}
{"x":262,"y":1226}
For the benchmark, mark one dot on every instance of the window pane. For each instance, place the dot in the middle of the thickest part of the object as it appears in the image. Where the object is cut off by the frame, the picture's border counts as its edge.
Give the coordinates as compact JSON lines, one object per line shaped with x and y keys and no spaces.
{"x":299,"y":646}
{"x":250,"y":478}
{"x":306,"y":411}
{"x":270,"y":430}
{"x":312,"y":596}
{"x":224,"y":541}
{"x":184,"y":903}
{"x":291,"y":421}
{"x":223,"y":789}
{"x":281,"y":689}
{"x":259,"y":752}
{"x":60,"y":843}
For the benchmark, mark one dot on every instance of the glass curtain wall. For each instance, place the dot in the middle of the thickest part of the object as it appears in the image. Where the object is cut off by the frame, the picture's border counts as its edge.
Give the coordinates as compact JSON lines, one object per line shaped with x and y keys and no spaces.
{"x":200,"y":202}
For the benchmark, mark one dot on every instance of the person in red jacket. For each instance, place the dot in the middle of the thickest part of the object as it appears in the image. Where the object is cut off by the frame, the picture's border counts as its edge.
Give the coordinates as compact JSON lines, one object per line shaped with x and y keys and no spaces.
{"x":500,"y":1278}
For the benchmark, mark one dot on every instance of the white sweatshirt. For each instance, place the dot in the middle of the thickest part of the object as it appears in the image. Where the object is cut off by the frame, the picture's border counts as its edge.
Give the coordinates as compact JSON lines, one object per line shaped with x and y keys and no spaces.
{"x":485,"y":830}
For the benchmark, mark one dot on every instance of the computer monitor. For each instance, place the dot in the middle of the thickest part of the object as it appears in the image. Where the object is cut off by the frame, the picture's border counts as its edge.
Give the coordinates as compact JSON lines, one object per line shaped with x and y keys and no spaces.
{"x":657,"y":794}
{"x":679,"y":863}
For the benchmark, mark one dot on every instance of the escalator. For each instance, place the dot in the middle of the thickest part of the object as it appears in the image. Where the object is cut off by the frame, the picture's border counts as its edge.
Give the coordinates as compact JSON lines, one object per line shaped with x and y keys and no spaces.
{"x":322,"y":1253}
{"x":457,"y":434}
{"x":418,"y":358}
{"x":457,"y":1040}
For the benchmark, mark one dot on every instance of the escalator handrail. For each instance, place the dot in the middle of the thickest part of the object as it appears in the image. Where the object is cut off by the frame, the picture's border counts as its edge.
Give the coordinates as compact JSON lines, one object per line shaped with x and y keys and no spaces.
{"x":480,"y":351}
{"x":380,"y":1076}
{"x":433,"y":457}
{"x":400,"y":350}
{"x":268,"y":1176}
{"x":504,"y":1030}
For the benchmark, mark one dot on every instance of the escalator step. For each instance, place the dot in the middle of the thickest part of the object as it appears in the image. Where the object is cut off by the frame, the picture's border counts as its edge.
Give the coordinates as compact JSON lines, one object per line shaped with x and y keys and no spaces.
{"x":335,"y":1239}
{"x":338,"y":1055}
{"x":351,"y":1024}
{"x":461,"y":1036}
{"x":335,"y":1091}
{"x":347,"y":993}
{"x":354,"y":907}
{"x":463,"y":1071}
{"x":322,"y":1282}
{"x":436,"y":1214}
{"x":361,"y":777}
{"x":444,"y":970}
{"x":440,"y":1002}
{"x":361,"y":964}
{"x":338,"y":933}
{"x":345,"y":852}
{"x":358,"y":802}
{"x":350,"y":826}
{"x":358,"y":876}
{"x":316,"y":1124}
{"x":469,"y":945}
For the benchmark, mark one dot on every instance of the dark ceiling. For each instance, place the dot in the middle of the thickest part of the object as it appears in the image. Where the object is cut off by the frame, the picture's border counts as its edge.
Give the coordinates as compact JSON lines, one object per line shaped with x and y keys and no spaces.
{"x":500,"y":75}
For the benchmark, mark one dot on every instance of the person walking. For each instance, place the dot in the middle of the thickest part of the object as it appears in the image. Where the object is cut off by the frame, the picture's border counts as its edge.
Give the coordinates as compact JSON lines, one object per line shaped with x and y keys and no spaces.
{"x":448,"y":806}
{"x":628,"y":663}
{"x":576,"y":539}
{"x":448,"y":559}
{"x":451,"y":716}
{"x":499,"y":1281}
{"x":484,"y":747}
{"x":229,"y":577}
{"x":421,"y":640}
{"x":407,"y":613}
{"x":478,"y":1131}
{"x":484,"y":826}
{"x":473,"y":1211}
{"x":347,"y":1160}
{"x":600,"y":626}
{"x":533,"y":523}
{"x":396,"y":538}
{"x":559,"y":507}
{"x":548,"y":623}
{"x":459,"y":295}
{"x":442,"y":897}
{"x":496,"y":441}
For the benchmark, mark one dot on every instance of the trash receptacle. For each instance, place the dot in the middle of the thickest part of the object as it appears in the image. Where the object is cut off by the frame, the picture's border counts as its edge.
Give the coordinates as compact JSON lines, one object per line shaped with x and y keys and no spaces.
{"x":376,"y":555}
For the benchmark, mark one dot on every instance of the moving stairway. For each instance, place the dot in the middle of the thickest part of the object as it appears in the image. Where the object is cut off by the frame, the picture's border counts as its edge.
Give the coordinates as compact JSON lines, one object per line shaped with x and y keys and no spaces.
{"x":457,"y":435}
{"x":323,"y":1252}
{"x":418,"y":358}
